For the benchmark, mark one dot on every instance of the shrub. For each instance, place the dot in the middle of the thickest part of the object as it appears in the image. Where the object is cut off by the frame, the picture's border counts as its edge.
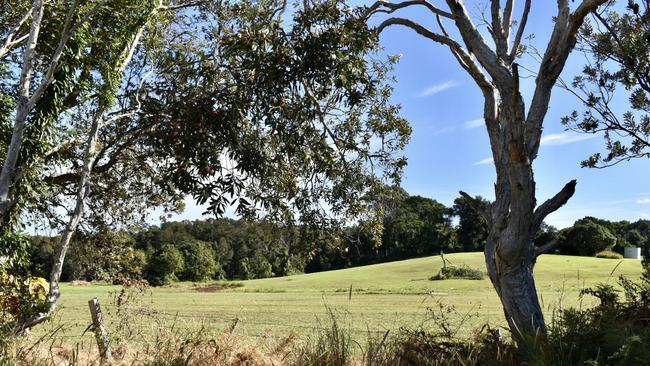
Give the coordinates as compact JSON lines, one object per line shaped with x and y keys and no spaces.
{"x":608,"y":254}
{"x":587,"y":238}
{"x":462,"y":272}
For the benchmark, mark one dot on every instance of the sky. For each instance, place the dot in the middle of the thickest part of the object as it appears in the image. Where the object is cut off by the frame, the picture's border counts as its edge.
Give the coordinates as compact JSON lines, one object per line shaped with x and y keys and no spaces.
{"x":449,"y":149}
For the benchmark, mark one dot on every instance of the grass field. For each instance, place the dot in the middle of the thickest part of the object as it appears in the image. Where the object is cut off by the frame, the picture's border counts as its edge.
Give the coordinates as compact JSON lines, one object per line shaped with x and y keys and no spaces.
{"x":384,"y":296}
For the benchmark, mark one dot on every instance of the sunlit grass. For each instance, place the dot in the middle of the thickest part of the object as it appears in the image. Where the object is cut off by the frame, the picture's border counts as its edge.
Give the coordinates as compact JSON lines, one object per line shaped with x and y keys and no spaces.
{"x":383,"y":296}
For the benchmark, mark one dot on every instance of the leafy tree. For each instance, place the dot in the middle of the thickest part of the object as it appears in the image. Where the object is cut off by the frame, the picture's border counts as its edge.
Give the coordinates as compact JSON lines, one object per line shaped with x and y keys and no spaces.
{"x":200,"y":264}
{"x":270,"y":116}
{"x":164,"y":265}
{"x":547,"y":235}
{"x":587,"y":238}
{"x":514,"y":131}
{"x":259,"y":266}
{"x":618,"y":46}
{"x":472,"y":229}
{"x":634,"y":238}
{"x":416,"y":228}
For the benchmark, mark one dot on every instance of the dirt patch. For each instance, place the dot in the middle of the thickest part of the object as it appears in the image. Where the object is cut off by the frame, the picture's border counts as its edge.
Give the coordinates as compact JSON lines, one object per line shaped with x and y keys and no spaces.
{"x":216,"y":287}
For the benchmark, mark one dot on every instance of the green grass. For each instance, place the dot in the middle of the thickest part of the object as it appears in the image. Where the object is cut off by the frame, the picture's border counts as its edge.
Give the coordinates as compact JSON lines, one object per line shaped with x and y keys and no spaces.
{"x":384,"y":296}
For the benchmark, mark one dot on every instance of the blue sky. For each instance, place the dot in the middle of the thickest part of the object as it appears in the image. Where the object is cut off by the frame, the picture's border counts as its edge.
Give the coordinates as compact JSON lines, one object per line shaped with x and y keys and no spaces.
{"x":449,"y":149}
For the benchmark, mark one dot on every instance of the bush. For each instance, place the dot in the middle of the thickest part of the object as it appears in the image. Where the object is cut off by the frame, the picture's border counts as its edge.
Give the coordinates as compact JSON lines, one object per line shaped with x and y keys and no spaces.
{"x":587,"y":238}
{"x":608,"y":254}
{"x":462,"y":272}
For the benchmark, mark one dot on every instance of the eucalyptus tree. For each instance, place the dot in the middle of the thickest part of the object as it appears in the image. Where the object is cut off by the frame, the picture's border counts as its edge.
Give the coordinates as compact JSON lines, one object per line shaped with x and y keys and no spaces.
{"x":228,"y":103}
{"x":514,"y":129}
{"x":618,"y":48}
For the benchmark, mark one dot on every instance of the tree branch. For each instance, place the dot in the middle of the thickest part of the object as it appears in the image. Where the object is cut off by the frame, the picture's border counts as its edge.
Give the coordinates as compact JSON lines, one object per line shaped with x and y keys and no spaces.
{"x":498,"y":33}
{"x":477,"y":45}
{"x":391,"y":7}
{"x":520,"y":32}
{"x":10,"y":42}
{"x":419,"y":29}
{"x":477,"y":206}
{"x":180,"y":6}
{"x":554,"y":203}
{"x":561,"y":43}
{"x":546,"y":248}
{"x":507,"y":19}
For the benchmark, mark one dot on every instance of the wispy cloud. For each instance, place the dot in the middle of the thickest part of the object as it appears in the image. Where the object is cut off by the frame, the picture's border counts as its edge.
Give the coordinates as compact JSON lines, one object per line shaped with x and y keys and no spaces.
{"x":564,"y":138}
{"x":473,"y":123}
{"x":643,"y":200}
{"x":435,"y":89}
{"x":645,"y":215}
{"x":484,"y":161}
{"x":443,"y":130}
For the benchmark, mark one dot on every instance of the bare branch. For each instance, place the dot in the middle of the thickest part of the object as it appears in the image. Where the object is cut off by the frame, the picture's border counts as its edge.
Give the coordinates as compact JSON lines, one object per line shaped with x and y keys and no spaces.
{"x":477,"y":206}
{"x":477,"y":45}
{"x":554,"y":203}
{"x":520,"y":31}
{"x":391,"y":7}
{"x":419,"y":29}
{"x":498,"y":34}
{"x":507,"y":19}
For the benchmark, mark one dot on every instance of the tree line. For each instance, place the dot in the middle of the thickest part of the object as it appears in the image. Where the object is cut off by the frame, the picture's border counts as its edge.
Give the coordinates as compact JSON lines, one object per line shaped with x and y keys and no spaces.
{"x":412,"y":226}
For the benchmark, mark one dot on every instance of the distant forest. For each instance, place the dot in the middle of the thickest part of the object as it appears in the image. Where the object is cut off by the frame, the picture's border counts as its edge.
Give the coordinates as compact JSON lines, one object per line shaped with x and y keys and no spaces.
{"x":413,"y":226}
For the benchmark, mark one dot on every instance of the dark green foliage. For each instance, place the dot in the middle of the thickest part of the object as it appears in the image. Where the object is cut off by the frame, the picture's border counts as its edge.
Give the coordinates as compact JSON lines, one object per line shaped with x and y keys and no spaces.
{"x":587,"y":238}
{"x":546,"y":234}
{"x":461,"y":272}
{"x":472,"y":230}
{"x":164,"y":265}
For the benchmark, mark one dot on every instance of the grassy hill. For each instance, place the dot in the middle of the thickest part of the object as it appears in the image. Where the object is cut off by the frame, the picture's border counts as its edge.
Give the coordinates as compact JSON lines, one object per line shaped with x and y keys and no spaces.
{"x":384,"y":296}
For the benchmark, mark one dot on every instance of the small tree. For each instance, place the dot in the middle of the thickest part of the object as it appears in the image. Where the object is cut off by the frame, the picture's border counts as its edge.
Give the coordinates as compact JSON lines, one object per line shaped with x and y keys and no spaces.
{"x":472,"y":230}
{"x":164,"y":265}
{"x":200,"y":264}
{"x":259,"y":266}
{"x":587,"y":238}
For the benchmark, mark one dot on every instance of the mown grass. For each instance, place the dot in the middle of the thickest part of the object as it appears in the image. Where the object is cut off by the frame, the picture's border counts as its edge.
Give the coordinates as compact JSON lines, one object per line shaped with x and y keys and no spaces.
{"x":384,"y":296}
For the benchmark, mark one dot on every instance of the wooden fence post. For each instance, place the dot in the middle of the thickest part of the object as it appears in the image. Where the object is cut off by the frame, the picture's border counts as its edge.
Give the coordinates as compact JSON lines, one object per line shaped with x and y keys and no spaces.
{"x":101,"y":334}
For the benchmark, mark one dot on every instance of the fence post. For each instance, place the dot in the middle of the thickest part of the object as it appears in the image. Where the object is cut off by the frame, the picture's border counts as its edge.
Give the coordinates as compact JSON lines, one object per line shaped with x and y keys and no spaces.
{"x":101,"y":334}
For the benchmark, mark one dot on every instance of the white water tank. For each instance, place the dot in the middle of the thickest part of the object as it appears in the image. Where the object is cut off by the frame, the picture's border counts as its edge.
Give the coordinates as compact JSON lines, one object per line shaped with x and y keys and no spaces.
{"x":633,"y":253}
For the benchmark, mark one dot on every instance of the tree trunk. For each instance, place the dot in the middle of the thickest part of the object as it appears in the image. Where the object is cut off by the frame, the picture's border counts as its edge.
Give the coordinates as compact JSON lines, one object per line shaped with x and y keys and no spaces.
{"x":514,"y":282}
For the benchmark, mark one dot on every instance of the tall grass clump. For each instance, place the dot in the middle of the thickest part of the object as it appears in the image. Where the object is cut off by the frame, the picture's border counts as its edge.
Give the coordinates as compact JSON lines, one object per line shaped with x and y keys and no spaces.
{"x":330,"y":345}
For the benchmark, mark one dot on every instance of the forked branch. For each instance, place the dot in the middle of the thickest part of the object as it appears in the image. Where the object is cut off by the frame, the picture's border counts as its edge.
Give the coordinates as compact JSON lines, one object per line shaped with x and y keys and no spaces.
{"x":554,"y":203}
